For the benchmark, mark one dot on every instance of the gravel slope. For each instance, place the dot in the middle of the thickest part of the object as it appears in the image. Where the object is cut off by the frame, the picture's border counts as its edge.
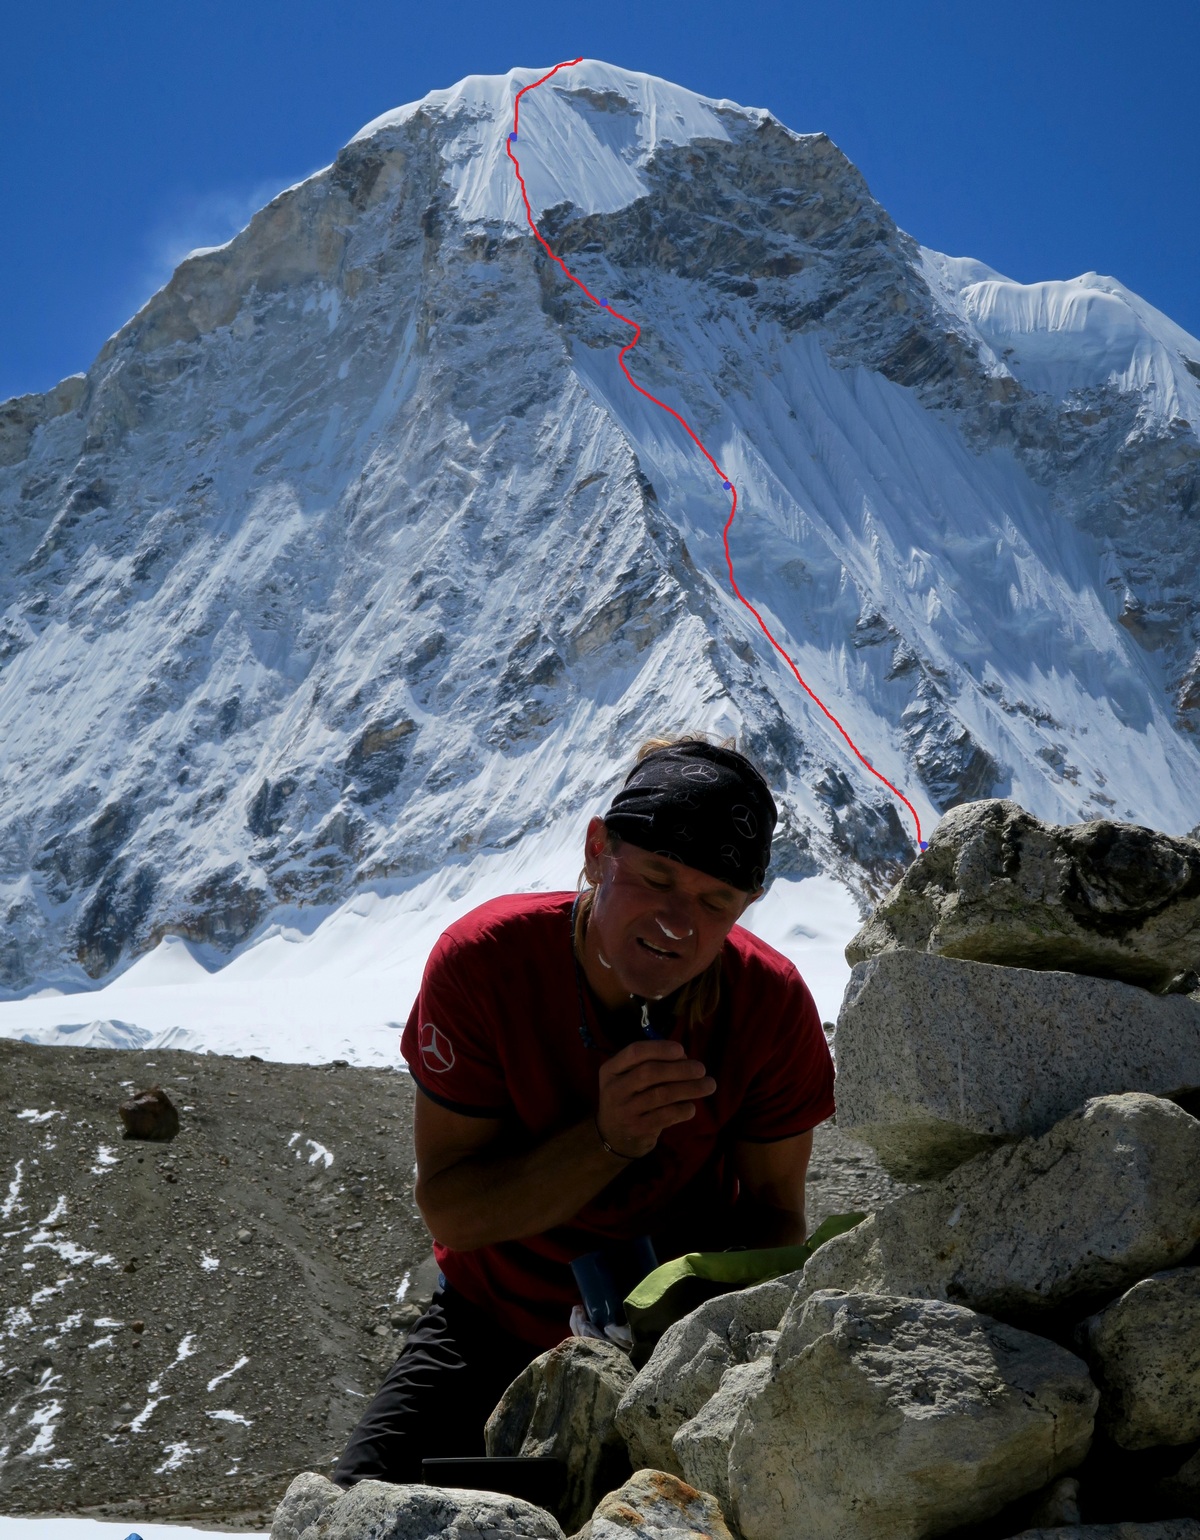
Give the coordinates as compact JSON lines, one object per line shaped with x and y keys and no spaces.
{"x":295,"y":1180}
{"x":185,"y":1326}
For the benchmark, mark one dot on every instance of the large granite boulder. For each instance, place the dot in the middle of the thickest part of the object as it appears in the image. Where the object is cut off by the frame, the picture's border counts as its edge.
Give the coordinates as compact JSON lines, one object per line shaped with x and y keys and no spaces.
{"x":687,"y":1365}
{"x":896,"y":1419}
{"x":564,"y":1406}
{"x":997,"y":885}
{"x":303,"y":1506}
{"x":654,"y":1505}
{"x":1110,"y":1194}
{"x":315,"y":1509}
{"x":702,"y":1444}
{"x":939,"y":1059}
{"x":1144,"y":1349}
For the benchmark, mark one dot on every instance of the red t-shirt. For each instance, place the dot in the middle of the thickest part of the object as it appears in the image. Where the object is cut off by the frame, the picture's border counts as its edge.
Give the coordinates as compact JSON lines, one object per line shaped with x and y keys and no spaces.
{"x":495,"y":1032}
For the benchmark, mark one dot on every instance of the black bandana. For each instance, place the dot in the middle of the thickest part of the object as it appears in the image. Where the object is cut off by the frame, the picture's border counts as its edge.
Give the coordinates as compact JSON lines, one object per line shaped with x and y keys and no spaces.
{"x":702,"y":805}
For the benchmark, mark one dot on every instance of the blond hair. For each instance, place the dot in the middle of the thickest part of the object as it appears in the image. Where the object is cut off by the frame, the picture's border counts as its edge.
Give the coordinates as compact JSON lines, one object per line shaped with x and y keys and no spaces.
{"x":700,"y":996}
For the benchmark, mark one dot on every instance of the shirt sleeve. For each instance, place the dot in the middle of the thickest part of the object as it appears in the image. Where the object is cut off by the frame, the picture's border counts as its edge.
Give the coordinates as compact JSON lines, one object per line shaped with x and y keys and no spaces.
{"x":449,"y":1041}
{"x":793,"y":1089}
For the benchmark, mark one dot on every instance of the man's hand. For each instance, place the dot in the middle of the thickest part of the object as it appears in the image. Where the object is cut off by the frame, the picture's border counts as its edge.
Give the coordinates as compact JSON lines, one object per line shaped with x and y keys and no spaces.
{"x":472,"y":1192}
{"x":645,"y":1088}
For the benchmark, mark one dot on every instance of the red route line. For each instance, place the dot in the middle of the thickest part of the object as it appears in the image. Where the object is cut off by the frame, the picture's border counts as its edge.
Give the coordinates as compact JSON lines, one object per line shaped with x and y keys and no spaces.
{"x":726,"y":483}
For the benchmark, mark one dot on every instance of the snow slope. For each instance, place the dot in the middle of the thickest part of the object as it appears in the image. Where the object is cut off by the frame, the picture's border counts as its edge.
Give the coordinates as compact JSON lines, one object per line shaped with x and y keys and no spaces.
{"x":347,"y":581}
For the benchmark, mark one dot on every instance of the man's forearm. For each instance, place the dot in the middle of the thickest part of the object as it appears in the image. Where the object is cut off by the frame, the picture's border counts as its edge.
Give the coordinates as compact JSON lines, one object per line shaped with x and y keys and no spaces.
{"x":485,"y":1199}
{"x":761,"y":1224}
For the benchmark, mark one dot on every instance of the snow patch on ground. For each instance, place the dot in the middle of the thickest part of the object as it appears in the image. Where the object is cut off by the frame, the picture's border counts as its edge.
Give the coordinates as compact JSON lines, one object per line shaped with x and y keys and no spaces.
{"x":43,"y":1418}
{"x":12,"y":1200}
{"x":176,"y":1454}
{"x":220,"y":1378}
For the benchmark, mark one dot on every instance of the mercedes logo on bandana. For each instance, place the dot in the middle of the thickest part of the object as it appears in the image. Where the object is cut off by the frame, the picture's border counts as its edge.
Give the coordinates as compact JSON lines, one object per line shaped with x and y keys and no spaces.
{"x":437,"y":1051}
{"x":744,"y":821}
{"x":705,"y":804}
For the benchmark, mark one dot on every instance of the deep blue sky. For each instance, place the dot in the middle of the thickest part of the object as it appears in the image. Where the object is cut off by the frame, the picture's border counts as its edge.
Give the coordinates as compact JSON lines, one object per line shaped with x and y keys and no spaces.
{"x":1045,"y":137}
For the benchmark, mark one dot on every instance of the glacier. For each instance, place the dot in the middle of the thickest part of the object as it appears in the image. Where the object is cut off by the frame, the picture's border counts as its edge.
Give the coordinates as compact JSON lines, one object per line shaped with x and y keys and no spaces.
{"x":352,"y":571}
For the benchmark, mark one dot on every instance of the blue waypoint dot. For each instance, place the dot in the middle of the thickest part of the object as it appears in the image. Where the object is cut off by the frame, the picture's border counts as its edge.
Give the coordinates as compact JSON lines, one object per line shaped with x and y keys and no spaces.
{"x":728,"y":485}
{"x":511,"y":137}
{"x":604,"y":304}
{"x":924,"y":844}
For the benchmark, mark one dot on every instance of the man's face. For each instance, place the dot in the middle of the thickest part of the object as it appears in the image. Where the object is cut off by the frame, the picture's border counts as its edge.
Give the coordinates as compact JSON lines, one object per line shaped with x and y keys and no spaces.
{"x":657,"y":923}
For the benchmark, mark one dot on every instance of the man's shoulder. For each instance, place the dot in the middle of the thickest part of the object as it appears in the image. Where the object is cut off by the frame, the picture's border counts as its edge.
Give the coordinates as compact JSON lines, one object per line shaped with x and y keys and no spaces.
{"x":757,"y":970}
{"x":511,"y":918}
{"x":757,"y":957}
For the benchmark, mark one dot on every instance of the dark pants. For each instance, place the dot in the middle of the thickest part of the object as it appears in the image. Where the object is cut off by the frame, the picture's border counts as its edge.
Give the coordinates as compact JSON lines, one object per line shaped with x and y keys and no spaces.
{"x":452,"y":1370}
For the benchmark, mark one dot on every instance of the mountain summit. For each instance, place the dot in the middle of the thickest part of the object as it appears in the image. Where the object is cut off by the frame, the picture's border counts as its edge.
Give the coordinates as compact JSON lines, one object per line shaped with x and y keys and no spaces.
{"x":354,"y":555}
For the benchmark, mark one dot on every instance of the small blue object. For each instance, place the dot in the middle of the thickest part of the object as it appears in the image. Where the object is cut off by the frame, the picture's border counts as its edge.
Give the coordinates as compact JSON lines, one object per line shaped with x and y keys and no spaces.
{"x":604,"y":304}
{"x":728,"y":485}
{"x":924,"y":844}
{"x":133,"y":1535}
{"x":511,"y":137}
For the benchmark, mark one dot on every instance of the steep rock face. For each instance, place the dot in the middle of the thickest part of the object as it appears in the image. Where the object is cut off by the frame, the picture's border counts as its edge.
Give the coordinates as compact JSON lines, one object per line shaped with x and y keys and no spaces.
{"x":354,"y":553}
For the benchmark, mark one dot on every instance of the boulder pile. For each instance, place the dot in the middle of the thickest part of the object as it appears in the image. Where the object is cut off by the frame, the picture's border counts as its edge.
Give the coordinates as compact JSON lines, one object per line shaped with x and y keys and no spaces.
{"x":1011,"y":1348}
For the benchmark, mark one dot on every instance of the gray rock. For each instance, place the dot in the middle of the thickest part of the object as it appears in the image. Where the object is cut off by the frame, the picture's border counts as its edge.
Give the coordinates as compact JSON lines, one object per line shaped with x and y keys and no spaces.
{"x":939,"y":1059}
{"x":564,"y":1405}
{"x":314,"y":1509}
{"x":1145,"y":1353}
{"x":1110,"y":1194}
{"x":895,"y":1419}
{"x":702,"y":1445}
{"x":998,"y":885}
{"x":688,"y":1363}
{"x":304,"y":1504}
{"x":653,"y":1505}
{"x":1165,"y":1529}
{"x":1058,"y":1505}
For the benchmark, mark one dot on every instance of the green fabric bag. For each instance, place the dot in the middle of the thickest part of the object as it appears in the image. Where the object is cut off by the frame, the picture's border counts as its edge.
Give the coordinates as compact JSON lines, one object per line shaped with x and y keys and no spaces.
{"x":676,"y":1288}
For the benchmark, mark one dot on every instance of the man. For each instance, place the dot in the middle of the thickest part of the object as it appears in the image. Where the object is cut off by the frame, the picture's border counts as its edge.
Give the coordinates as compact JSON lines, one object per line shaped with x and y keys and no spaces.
{"x":592,"y":1069}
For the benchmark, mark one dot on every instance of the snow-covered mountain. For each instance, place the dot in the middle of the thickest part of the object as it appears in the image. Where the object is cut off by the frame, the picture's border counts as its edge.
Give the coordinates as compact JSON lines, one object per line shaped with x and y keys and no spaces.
{"x":354,"y":557}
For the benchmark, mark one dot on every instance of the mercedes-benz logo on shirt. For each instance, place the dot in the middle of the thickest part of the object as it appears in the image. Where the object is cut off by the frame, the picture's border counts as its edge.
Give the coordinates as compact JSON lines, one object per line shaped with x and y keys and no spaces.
{"x":437,"y":1051}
